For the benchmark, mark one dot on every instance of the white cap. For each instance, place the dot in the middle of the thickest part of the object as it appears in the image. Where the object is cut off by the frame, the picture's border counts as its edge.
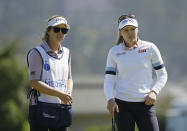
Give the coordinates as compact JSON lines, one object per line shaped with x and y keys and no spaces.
{"x":57,"y":21}
{"x":128,"y":21}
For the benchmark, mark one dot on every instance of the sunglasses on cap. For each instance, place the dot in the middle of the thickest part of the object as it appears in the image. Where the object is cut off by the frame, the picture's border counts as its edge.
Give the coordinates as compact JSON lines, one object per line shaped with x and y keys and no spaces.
{"x":63,"y":30}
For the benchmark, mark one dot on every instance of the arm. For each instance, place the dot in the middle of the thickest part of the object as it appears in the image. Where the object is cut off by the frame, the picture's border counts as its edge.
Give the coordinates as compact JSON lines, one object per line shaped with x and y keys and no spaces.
{"x":161,"y":75}
{"x":70,"y":87}
{"x":161,"y":80}
{"x":109,"y":81}
{"x":70,"y":80}
{"x":110,"y":75}
{"x":44,"y":88}
{"x":160,"y":70}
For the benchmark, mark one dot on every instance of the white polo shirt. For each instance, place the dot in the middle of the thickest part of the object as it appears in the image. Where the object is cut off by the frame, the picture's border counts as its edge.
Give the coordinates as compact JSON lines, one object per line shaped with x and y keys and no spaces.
{"x":130,"y":71}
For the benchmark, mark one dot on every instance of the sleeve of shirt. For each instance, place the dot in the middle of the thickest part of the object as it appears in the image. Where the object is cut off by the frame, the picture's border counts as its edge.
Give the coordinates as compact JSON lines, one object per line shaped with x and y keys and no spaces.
{"x":34,"y":65}
{"x":69,"y":67}
{"x":159,"y":68}
{"x":110,"y":74}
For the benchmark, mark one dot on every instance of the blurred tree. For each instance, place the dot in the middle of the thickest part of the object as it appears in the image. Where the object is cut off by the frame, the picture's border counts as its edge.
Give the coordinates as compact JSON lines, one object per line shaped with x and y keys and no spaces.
{"x":12,"y":94}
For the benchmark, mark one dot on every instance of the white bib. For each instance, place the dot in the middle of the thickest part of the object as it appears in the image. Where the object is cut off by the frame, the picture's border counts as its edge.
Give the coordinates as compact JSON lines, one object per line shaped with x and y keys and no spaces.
{"x":54,"y":74}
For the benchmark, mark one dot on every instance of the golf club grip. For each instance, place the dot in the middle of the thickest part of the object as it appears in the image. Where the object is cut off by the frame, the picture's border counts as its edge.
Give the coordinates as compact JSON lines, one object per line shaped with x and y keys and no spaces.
{"x":113,"y":125}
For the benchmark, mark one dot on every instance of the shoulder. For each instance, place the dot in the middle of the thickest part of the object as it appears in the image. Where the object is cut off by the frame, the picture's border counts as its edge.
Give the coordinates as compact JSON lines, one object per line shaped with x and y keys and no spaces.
{"x":65,"y":49}
{"x":115,"y":49}
{"x":149,"y":45}
{"x":33,"y":56}
{"x":33,"y":52}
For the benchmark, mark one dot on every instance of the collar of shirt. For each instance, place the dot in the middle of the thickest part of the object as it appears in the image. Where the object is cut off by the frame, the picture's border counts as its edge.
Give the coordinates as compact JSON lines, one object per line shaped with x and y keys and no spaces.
{"x":48,"y":49}
{"x":129,"y":49}
{"x":51,"y":52}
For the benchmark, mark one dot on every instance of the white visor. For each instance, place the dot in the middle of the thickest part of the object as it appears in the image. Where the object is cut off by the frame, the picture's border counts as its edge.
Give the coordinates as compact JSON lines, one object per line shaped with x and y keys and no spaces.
{"x":128,"y":21}
{"x":57,"y":21}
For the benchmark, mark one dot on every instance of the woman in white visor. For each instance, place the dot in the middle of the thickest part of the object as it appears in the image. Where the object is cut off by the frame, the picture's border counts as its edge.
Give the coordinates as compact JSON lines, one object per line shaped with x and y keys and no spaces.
{"x":128,"y":85}
{"x":49,"y":69}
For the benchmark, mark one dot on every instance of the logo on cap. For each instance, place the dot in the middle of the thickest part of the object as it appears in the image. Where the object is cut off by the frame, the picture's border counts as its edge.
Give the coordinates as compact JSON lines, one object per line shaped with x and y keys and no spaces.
{"x":58,"y":19}
{"x":128,"y":21}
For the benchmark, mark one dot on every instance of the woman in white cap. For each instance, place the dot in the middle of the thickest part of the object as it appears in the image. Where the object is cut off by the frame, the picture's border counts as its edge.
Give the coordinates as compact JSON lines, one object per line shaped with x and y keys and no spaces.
{"x":129,"y":69}
{"x":49,"y":69}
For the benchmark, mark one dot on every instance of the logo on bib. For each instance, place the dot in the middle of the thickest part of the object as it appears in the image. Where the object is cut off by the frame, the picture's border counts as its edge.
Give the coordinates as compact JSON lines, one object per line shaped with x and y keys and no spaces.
{"x":46,"y":66}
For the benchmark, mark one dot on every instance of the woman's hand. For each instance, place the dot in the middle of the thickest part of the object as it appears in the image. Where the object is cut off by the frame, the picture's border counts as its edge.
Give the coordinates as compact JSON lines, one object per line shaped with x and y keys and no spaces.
{"x":112,"y":106}
{"x":65,"y":98}
{"x":150,"y":98}
{"x":69,"y":93}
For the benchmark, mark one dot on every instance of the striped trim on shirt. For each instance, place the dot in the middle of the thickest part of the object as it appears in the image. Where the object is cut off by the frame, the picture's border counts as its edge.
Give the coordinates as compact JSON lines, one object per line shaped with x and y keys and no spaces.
{"x":110,"y":70}
{"x":158,"y":66}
